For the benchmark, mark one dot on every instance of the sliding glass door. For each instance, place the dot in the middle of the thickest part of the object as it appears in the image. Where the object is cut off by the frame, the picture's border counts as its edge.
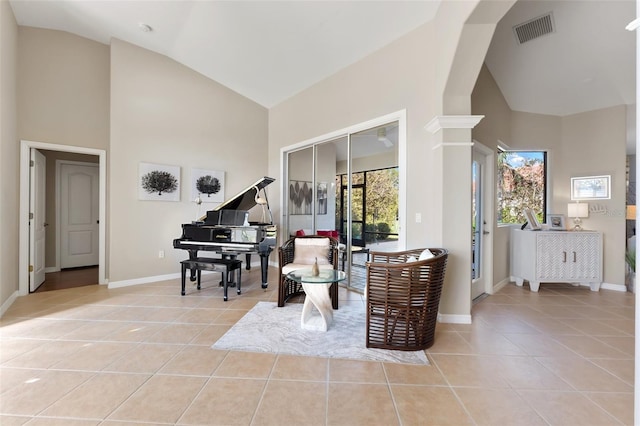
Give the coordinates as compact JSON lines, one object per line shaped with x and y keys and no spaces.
{"x":300,"y":190}
{"x":327,"y":190}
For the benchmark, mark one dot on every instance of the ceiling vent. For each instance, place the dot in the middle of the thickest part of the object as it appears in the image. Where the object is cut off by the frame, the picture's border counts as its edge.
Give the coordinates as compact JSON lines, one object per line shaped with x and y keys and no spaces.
{"x":534,"y":28}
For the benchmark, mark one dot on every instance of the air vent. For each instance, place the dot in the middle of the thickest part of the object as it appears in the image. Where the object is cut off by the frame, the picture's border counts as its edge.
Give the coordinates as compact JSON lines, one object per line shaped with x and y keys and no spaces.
{"x":534,"y":28}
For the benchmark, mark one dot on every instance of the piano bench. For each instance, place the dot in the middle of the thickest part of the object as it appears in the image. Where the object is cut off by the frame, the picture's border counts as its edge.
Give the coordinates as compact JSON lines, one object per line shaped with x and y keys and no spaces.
{"x":217,"y":265}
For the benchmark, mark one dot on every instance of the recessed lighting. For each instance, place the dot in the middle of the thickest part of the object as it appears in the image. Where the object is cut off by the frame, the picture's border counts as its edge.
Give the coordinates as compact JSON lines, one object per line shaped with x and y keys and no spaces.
{"x":144,"y":27}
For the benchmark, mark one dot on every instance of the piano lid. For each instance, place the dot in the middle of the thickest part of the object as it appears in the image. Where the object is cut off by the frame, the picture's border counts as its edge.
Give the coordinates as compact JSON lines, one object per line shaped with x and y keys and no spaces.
{"x":245,"y":199}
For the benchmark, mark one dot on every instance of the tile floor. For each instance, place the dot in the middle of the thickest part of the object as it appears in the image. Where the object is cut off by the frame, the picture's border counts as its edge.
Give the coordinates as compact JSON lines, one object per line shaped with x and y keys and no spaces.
{"x":141,"y":355}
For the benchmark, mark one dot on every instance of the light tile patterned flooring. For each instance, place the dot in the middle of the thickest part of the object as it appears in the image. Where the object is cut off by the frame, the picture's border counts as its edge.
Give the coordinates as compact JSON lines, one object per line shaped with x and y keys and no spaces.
{"x":141,"y":355}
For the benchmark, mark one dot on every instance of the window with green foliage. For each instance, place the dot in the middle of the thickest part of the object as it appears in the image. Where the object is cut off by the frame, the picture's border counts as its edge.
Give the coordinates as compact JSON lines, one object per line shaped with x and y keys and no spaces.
{"x":374,"y":206}
{"x":522,"y":184}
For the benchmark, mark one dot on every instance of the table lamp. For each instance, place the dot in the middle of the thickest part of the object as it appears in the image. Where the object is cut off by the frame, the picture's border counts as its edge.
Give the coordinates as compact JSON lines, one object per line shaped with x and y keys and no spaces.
{"x":577,"y":211}
{"x":631,"y":212}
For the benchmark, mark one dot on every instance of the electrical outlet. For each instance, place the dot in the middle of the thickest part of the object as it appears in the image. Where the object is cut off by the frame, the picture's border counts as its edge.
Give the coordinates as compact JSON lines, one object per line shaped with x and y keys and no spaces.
{"x":418,"y":217}
{"x":161,"y":254}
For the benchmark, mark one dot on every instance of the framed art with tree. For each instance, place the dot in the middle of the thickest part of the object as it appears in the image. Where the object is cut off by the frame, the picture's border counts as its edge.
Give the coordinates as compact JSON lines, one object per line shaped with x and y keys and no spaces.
{"x":158,"y":182}
{"x":208,"y":185}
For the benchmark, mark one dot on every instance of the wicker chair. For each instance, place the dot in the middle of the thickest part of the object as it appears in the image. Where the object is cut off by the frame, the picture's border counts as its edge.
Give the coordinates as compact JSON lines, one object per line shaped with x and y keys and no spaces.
{"x":403,"y":298}
{"x":287,"y":255}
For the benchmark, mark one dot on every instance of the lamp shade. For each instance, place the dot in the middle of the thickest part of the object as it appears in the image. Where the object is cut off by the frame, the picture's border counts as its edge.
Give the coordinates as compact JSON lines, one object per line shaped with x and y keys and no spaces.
{"x":578,"y":210}
{"x":631,"y":212}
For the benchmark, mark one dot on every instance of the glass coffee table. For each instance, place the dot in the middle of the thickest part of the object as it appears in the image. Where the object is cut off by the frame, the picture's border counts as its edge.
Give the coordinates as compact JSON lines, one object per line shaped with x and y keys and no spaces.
{"x":316,"y":289}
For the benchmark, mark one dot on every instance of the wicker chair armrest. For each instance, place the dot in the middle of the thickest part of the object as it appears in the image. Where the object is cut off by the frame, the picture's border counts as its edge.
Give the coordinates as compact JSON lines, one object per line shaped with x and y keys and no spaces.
{"x":286,"y":253}
{"x":398,"y":256}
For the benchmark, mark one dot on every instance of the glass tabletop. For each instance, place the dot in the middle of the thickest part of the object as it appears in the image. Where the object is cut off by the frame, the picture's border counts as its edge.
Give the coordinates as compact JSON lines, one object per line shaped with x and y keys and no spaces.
{"x":325,"y":276}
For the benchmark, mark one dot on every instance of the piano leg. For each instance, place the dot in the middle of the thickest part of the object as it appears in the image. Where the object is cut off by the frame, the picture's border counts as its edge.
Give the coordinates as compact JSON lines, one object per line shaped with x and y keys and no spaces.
{"x":264,"y":265}
{"x":248,"y":265}
{"x":193,"y":255}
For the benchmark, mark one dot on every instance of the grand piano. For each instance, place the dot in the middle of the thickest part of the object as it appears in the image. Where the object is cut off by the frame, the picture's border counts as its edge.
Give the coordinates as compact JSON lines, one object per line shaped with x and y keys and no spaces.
{"x":227,"y":230}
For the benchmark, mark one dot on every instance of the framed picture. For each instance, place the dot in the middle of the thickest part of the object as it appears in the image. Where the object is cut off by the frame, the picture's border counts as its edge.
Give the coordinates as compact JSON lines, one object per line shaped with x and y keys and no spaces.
{"x":208,"y":185}
{"x":531,"y":218}
{"x":158,"y":182}
{"x":556,"y":222}
{"x":300,"y":197}
{"x":591,"y":188}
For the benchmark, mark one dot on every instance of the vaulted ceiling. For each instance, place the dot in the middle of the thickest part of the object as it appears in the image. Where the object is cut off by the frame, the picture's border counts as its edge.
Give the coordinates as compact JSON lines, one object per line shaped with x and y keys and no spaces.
{"x":586,"y":62}
{"x":265,"y":50}
{"x":270,"y":50}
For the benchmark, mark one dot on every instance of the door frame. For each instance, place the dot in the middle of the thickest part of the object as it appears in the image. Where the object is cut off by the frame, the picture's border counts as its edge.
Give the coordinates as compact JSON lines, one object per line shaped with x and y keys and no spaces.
{"x":37,"y":197}
{"x":23,"y":256}
{"x":488,"y":213}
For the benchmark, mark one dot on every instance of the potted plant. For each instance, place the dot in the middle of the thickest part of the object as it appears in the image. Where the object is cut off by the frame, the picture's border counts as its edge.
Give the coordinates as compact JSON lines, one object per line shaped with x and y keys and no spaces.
{"x":630,"y":257}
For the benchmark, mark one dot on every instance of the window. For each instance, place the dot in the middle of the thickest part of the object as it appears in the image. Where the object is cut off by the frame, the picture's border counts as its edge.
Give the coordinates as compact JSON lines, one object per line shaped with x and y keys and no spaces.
{"x":374,"y":206}
{"x":522,"y":184}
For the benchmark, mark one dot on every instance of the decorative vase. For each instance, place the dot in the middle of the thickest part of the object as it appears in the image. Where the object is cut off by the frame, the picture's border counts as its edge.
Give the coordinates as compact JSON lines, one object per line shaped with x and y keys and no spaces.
{"x":315,"y":271}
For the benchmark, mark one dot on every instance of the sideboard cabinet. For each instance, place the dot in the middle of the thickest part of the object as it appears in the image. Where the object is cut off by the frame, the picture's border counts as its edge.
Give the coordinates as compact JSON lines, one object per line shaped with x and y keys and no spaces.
{"x":556,"y":256}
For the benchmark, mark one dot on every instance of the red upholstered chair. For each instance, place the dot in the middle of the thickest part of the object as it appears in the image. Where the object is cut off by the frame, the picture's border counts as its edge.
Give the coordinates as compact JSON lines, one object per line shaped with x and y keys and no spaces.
{"x":299,"y":253}
{"x":329,"y":233}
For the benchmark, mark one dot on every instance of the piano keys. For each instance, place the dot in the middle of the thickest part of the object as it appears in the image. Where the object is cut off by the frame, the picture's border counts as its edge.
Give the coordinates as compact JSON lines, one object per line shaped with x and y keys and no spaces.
{"x":226,"y":230}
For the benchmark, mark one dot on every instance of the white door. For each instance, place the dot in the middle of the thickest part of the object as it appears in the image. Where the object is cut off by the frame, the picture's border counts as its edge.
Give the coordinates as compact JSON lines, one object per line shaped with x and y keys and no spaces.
{"x":79,"y":187}
{"x":481,"y":271}
{"x":37,"y":214}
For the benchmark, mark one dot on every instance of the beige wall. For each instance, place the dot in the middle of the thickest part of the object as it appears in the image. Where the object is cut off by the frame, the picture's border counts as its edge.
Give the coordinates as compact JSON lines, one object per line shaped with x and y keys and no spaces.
{"x":9,"y":154}
{"x":165,"y":113}
{"x":63,"y":88}
{"x":575,"y":148}
{"x":399,"y":76}
{"x":410,"y":74}
{"x":493,"y":129}
{"x":600,"y":138}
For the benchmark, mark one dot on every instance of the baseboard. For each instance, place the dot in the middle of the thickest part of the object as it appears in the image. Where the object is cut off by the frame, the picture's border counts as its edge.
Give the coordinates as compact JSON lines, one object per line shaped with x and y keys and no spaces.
{"x":614,"y":287}
{"x":177,"y":275}
{"x":7,"y":304}
{"x":51,"y":269}
{"x":144,"y":280}
{"x":454,"y":319}
{"x":497,"y":287}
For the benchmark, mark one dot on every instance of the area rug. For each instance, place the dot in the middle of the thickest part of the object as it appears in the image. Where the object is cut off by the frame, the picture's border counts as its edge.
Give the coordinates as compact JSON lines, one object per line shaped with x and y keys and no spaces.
{"x":267,"y":328}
